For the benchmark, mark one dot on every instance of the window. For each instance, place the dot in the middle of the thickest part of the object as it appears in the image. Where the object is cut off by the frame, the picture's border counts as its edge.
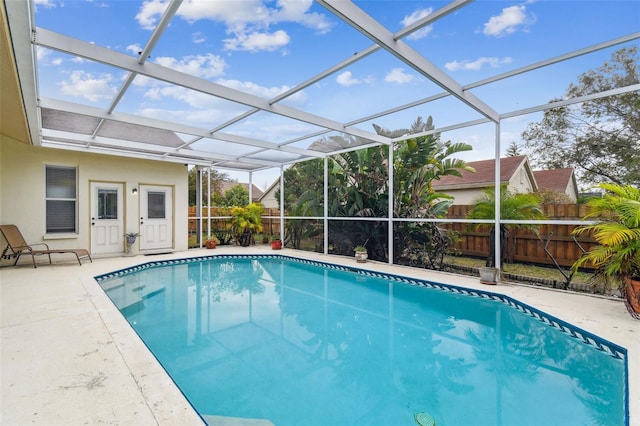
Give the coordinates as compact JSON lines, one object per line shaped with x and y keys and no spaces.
{"x":156,"y":205}
{"x":107,"y":203}
{"x":60,"y":196}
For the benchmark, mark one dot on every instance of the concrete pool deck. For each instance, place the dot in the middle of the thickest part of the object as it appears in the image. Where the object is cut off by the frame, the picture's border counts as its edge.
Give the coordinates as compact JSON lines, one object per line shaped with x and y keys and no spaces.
{"x":68,"y":357}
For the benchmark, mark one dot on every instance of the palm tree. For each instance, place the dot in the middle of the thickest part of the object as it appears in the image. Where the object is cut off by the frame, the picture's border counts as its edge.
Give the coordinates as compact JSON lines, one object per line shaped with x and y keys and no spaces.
{"x":513,"y":206}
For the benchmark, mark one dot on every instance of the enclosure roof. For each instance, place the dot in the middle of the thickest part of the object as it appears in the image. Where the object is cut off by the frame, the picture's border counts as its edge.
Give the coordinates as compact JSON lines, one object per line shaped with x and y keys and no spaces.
{"x":256,"y":84}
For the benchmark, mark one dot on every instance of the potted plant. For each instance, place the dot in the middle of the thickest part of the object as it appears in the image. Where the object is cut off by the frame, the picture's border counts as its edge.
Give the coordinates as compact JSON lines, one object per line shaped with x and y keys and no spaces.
{"x":616,"y":258}
{"x":276,"y":244}
{"x":212,"y":242}
{"x":130,"y":240}
{"x":360,"y":254}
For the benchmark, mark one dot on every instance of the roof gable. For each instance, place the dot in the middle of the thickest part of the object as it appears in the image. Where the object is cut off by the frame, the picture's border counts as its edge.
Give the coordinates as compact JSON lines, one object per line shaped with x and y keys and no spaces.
{"x":556,"y":179}
{"x":484,"y":175}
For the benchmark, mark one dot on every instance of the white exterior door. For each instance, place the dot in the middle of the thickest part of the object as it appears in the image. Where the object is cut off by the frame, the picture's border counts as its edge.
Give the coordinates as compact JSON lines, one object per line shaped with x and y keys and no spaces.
{"x":107,"y":213}
{"x":156,"y":217}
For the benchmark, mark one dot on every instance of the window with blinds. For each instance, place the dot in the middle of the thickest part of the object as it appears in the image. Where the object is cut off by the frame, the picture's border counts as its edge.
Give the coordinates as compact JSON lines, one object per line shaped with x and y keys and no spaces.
{"x":61,"y":202}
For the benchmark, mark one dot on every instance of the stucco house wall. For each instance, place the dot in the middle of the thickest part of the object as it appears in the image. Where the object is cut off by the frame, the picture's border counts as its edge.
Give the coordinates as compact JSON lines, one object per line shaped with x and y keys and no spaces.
{"x":268,"y":198}
{"x":515,"y":172}
{"x":22,"y":190}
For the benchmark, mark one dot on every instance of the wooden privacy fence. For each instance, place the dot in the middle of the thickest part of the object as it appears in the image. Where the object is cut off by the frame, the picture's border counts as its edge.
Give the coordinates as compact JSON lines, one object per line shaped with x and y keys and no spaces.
{"x":220,"y":217}
{"x":525,"y":246}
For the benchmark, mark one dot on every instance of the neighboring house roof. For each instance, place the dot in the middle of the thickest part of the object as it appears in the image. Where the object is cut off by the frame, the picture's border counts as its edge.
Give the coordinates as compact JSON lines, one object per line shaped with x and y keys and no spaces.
{"x":256,"y":193}
{"x":556,"y":179}
{"x":484,"y":175}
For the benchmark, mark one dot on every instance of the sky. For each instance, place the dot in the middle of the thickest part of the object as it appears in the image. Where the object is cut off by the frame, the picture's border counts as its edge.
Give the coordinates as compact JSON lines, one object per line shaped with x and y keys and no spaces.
{"x":266,"y":47}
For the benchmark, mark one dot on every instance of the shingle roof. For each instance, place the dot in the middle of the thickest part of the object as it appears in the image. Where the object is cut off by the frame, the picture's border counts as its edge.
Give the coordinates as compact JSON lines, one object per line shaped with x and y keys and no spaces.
{"x":484,"y":175}
{"x":555,"y":180}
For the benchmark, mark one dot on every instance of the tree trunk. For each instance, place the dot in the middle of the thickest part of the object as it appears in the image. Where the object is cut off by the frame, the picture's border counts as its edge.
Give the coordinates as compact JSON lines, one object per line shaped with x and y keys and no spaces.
{"x":504,"y":234}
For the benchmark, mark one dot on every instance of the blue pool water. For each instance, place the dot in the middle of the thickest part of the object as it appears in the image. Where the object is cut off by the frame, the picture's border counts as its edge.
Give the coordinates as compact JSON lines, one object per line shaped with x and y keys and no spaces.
{"x":302,"y":343}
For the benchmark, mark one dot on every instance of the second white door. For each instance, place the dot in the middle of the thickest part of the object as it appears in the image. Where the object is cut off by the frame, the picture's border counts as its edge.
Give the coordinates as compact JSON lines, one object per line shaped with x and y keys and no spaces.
{"x":156,"y":217}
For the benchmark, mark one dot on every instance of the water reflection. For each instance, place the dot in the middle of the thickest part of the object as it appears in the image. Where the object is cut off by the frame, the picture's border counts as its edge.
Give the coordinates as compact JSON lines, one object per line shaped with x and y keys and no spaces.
{"x":296,"y":344}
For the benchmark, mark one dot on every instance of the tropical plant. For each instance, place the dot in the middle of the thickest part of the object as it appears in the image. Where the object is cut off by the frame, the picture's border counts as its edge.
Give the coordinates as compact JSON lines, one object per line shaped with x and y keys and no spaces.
{"x":303,"y":197}
{"x":513,"y":206}
{"x":245,"y":221}
{"x":361,"y":188}
{"x":419,"y":160}
{"x":358,"y":186}
{"x":617,"y":232}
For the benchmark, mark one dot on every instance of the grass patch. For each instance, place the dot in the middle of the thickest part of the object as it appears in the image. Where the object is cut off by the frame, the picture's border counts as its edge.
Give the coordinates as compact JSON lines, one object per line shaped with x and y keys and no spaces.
{"x":533,"y":271}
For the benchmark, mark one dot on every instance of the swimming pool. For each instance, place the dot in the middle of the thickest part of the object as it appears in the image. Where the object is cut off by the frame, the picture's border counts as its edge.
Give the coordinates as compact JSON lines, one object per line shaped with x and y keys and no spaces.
{"x":301,"y":342}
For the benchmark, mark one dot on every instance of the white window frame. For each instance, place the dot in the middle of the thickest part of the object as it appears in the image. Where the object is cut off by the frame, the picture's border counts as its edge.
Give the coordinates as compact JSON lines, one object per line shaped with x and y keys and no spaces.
{"x":53,"y":232}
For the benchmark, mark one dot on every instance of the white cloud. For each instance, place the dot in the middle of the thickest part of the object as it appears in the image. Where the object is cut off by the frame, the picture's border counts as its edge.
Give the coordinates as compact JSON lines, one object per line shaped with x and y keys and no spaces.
{"x":134,"y":48}
{"x":230,"y":12}
{"x":508,"y":21}
{"x":199,"y":118}
{"x":198,"y":38}
{"x":190,"y":97}
{"x":45,"y":3}
{"x":256,"y":41}
{"x":86,"y":85}
{"x":415,"y":16}
{"x":42,"y":53}
{"x":397,"y":75}
{"x":297,"y":11}
{"x":150,"y":12}
{"x":205,"y":66}
{"x":478,"y":64}
{"x":261,"y":91}
{"x":247,"y":21}
{"x":346,"y":79}
{"x":203,"y":101}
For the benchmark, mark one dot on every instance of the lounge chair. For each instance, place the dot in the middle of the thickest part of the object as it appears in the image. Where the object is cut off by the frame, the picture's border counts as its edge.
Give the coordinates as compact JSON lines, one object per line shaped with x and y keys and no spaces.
{"x":17,"y":246}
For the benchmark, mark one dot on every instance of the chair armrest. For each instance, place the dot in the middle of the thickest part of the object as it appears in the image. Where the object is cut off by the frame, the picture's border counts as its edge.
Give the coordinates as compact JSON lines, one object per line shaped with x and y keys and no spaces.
{"x":30,"y":246}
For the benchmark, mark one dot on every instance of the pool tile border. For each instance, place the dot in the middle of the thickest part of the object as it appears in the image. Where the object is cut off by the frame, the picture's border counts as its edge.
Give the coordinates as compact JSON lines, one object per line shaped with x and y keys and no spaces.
{"x":584,"y":336}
